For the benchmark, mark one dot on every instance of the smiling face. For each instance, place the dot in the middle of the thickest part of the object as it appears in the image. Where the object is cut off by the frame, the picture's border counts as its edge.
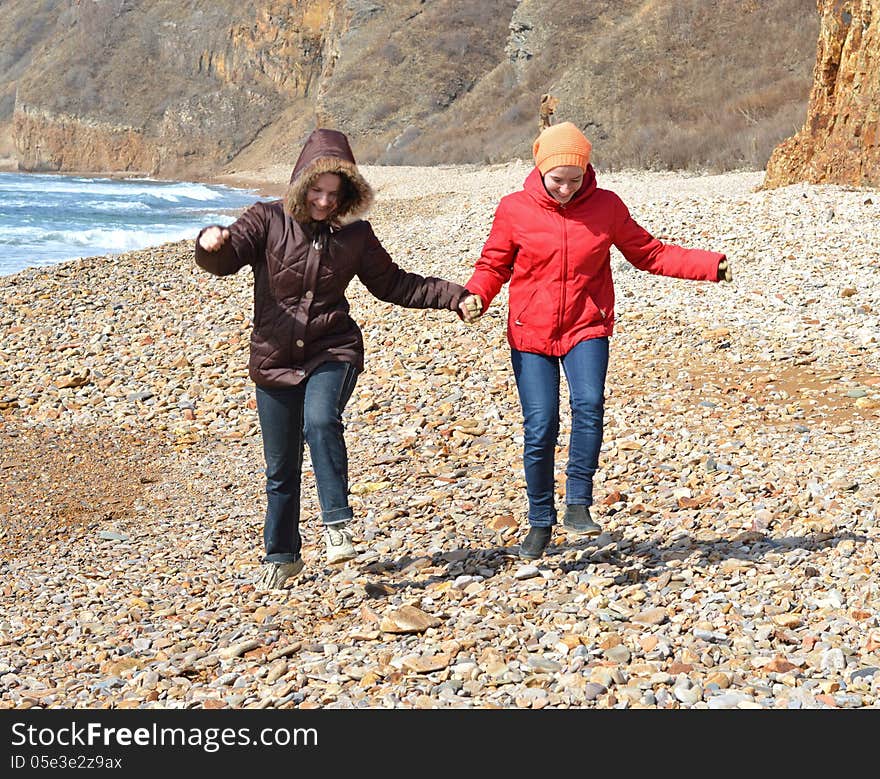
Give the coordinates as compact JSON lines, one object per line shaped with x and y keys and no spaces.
{"x":563,"y":182}
{"x":323,"y":196}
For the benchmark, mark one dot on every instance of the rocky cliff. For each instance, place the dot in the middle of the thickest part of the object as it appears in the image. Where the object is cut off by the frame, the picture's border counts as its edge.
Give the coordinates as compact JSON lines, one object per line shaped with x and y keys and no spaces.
{"x":163,"y":87}
{"x":205,"y":86}
{"x":840,"y":141}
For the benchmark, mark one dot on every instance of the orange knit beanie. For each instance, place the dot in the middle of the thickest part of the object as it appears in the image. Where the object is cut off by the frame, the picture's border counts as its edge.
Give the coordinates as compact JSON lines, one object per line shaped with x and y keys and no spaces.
{"x":561,"y":144}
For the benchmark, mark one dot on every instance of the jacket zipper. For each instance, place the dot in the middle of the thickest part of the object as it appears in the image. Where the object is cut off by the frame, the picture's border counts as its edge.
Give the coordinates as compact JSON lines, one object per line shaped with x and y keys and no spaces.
{"x":561,"y":312}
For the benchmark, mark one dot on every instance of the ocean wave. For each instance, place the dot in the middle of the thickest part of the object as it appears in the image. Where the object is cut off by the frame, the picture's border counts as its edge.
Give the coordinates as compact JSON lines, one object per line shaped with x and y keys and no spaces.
{"x":101,"y":240}
{"x":46,"y":219}
{"x":114,"y":205}
{"x":172,"y":192}
{"x":17,"y":207}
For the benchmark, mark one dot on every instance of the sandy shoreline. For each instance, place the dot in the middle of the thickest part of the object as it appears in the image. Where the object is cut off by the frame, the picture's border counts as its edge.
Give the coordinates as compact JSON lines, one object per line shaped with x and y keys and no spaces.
{"x":266,"y":182}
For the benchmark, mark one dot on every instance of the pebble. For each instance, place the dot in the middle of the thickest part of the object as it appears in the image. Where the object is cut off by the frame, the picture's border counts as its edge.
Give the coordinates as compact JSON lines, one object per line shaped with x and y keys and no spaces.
{"x":737,"y":490}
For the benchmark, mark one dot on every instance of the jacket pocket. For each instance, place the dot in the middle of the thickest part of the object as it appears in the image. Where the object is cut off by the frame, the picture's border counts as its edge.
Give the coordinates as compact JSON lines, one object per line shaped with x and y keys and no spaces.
{"x":591,"y":312}
{"x":535,"y":310}
{"x":582,"y":309}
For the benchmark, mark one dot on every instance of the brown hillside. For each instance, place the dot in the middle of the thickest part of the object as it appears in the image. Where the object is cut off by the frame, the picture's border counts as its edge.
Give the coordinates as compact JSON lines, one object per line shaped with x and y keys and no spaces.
{"x":203,"y":87}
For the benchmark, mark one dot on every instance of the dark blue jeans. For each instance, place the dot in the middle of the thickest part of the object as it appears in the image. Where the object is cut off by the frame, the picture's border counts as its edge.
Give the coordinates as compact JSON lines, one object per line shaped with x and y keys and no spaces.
{"x":537,"y":380}
{"x":312,"y":413}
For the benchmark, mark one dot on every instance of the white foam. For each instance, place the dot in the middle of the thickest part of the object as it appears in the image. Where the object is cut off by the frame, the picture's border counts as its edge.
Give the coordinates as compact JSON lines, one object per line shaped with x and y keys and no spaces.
{"x":172,"y":192}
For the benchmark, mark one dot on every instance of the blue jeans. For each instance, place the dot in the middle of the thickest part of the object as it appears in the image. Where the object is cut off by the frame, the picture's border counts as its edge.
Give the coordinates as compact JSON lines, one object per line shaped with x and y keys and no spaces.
{"x":537,"y":380}
{"x":312,"y":413}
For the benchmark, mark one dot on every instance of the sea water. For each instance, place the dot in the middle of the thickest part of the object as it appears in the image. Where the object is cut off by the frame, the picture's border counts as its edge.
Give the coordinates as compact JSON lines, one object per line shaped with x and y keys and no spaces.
{"x":46,"y":219}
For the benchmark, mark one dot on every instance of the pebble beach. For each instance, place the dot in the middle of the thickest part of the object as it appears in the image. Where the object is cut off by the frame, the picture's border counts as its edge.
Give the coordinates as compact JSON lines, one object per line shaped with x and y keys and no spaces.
{"x":739,"y":482}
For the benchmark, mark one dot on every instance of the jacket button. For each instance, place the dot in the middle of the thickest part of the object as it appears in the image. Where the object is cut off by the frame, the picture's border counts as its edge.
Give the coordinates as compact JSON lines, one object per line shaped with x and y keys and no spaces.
{"x":300,"y":343}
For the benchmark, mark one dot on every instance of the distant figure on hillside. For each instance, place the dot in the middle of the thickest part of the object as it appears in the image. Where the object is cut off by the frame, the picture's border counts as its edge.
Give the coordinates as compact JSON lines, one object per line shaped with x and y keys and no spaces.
{"x":552,"y":241}
{"x":545,"y":113}
{"x":306,"y":351}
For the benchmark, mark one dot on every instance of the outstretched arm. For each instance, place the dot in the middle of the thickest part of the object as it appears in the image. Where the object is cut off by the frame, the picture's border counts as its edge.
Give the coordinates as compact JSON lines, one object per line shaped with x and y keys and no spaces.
{"x":389,"y":282}
{"x":225,"y":250}
{"x":650,"y":254}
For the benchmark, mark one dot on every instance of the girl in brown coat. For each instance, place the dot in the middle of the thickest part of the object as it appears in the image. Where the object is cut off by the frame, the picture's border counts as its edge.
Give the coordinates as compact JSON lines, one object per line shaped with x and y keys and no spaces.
{"x":306,"y":351}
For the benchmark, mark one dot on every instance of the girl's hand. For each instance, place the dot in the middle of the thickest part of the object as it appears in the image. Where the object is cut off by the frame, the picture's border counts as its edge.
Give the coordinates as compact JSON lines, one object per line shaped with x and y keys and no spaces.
{"x":471,"y":308}
{"x":213,"y":238}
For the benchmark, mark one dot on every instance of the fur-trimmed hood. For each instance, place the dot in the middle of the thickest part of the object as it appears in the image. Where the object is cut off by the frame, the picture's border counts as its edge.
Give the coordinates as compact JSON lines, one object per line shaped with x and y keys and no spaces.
{"x":328,"y":151}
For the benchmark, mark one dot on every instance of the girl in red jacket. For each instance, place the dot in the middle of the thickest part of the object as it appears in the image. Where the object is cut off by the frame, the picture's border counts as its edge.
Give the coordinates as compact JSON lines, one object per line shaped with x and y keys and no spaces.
{"x":552,"y":241}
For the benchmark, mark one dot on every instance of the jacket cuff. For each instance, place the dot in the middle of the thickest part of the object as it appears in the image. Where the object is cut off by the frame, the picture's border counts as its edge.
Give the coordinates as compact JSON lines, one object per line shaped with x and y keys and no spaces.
{"x":457,"y":297}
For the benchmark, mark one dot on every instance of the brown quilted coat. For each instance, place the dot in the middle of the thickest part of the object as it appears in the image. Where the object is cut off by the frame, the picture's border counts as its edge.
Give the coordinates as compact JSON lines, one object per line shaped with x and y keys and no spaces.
{"x":302,"y":268}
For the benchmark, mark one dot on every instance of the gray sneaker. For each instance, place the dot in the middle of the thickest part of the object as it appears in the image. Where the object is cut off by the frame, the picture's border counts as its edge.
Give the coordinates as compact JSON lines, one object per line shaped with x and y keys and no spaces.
{"x":273,"y":575}
{"x":339,"y":546}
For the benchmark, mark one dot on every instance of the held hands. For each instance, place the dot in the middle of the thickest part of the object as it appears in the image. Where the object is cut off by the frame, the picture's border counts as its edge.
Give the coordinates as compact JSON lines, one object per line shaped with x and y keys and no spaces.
{"x":724,"y":271}
{"x":471,"y":308}
{"x":213,"y":238}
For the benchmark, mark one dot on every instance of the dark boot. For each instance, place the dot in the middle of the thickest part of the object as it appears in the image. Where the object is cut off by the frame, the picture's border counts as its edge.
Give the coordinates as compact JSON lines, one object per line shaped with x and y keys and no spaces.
{"x":535,"y":542}
{"x":578,"y":520}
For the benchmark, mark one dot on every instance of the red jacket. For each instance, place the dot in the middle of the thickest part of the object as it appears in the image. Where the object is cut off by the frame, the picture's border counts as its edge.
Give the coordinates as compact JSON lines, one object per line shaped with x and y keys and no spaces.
{"x":557,"y":259}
